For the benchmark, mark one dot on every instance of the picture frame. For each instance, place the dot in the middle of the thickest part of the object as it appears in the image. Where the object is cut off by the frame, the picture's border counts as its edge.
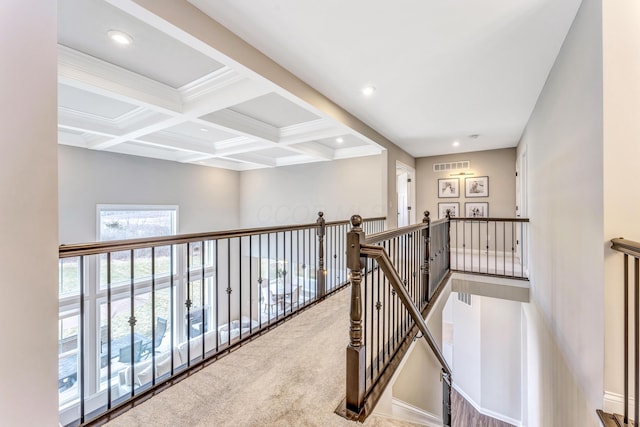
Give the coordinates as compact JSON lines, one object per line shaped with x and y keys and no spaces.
{"x":476,"y":209}
{"x":452,"y":207}
{"x":476,"y":186}
{"x":448,"y":188}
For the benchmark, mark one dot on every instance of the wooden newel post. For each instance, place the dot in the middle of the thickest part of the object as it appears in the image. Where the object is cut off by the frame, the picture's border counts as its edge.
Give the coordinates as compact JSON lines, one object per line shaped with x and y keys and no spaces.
{"x":356,"y":353}
{"x":426,"y":266}
{"x":321,"y":273}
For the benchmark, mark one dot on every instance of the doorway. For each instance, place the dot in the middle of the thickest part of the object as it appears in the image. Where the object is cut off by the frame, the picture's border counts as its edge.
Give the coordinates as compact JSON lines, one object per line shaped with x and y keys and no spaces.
{"x":405,"y":190}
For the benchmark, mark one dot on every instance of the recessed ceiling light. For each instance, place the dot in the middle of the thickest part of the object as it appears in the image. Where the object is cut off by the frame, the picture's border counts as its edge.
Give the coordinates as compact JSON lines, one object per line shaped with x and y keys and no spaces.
{"x":120,"y":37}
{"x":339,"y":140}
{"x":204,"y":130}
{"x":368,"y":90}
{"x":456,"y":143}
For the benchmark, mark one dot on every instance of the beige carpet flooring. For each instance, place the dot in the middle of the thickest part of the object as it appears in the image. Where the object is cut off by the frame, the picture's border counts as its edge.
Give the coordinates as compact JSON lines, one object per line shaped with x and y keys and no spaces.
{"x":291,"y":376}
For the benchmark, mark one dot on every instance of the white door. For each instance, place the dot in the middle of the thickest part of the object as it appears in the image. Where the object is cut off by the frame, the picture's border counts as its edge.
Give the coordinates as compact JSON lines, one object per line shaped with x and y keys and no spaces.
{"x":403,"y":202}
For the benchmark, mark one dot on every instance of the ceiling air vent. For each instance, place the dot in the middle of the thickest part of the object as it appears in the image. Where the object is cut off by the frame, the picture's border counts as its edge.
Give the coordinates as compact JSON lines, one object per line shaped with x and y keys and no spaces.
{"x":451,"y":166}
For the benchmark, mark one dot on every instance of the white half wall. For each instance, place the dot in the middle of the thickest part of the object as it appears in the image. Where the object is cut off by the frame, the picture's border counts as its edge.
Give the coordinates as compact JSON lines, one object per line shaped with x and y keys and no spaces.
{"x":207,"y":198}
{"x":29,"y":218}
{"x":565,"y":325}
{"x":295,"y":194}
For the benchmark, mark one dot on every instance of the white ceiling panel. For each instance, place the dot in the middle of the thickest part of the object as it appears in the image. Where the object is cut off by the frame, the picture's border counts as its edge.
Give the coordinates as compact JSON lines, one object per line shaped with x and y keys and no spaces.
{"x":91,"y":103}
{"x":83,"y":26}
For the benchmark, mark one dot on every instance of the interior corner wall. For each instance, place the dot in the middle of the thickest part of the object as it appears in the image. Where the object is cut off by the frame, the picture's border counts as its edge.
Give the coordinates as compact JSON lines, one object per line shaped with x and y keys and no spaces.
{"x":498,"y":165}
{"x":621,"y":65}
{"x":29,"y":218}
{"x":295,"y":194}
{"x":207,"y":198}
{"x":564,"y":143}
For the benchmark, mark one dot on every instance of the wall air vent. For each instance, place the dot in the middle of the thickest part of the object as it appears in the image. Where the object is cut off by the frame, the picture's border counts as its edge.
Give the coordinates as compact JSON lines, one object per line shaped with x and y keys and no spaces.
{"x":451,"y":166}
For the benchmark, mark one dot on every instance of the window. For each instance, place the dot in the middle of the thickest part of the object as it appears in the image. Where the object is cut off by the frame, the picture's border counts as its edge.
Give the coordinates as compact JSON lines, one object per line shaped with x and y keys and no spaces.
{"x":117,"y":222}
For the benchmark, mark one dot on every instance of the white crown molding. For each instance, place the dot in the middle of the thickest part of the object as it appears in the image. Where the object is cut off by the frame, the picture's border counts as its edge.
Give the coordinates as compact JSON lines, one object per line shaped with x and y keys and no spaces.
{"x":86,"y":122}
{"x":72,"y":139}
{"x":133,"y":150}
{"x":360,"y":151}
{"x":179,"y":145}
{"x":252,"y":157}
{"x":88,"y":73}
{"x":244,"y":124}
{"x":209,"y":83}
{"x":313,"y":149}
{"x":308,"y":131}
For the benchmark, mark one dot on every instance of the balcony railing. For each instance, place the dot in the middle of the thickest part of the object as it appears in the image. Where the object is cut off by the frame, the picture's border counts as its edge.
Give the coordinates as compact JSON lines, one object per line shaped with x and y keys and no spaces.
{"x":138,"y":315}
{"x":490,"y":246}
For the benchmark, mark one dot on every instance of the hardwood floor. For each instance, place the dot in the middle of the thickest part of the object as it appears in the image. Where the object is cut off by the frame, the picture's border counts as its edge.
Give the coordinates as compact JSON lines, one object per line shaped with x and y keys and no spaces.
{"x":465,"y":415}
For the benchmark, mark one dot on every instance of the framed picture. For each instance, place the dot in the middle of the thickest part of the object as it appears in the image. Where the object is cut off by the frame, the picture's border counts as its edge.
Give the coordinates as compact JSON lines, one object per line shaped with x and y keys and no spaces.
{"x":477,"y":186}
{"x":448,"y":187}
{"x":476,"y":210}
{"x":451,"y":208}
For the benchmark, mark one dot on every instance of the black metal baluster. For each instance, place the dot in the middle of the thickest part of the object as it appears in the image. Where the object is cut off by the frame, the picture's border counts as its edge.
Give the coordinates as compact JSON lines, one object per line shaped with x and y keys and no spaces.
{"x":132,"y":322}
{"x":217,"y":281}
{"x":504,"y":248}
{"x":250,"y":285}
{"x":228,"y":291}
{"x":172,"y":304}
{"x":636,"y":397}
{"x":239,"y":289}
{"x":108,"y":329}
{"x":188,"y":303}
{"x":153,"y":315}
{"x":203,"y":288}
{"x":81,"y":380}
{"x":626,"y":339}
{"x":495,"y":246}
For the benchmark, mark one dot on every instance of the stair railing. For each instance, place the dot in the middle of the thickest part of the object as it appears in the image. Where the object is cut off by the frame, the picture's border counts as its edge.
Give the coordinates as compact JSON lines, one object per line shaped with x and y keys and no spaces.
{"x":630,"y":249}
{"x":387,"y":314}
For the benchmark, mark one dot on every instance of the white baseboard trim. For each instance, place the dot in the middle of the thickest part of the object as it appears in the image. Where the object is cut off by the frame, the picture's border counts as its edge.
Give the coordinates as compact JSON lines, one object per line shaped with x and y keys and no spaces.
{"x":488,"y":412}
{"x":613,"y":403}
{"x":406,"y":412}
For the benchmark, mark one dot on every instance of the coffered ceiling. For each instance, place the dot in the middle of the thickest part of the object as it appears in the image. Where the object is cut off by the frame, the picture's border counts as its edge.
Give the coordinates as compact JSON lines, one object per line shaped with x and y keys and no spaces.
{"x":159,"y":97}
{"x":450,"y":77}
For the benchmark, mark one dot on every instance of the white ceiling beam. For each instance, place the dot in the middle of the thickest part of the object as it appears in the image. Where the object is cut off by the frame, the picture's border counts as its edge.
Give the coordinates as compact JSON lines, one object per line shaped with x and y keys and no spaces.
{"x":244,"y":125}
{"x":72,"y":139}
{"x":313,"y":149}
{"x":85,"y":72}
{"x":254,"y":158}
{"x":308,"y":131}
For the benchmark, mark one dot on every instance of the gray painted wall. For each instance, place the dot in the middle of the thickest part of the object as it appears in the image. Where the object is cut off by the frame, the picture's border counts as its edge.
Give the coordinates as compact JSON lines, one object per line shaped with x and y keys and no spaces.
{"x":295,"y":194}
{"x":565,"y":320}
{"x":207,"y":197}
{"x":498,"y":165}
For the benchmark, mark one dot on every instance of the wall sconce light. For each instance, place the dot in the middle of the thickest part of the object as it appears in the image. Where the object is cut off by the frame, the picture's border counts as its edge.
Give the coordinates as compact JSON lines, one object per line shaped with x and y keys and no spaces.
{"x":462,"y":174}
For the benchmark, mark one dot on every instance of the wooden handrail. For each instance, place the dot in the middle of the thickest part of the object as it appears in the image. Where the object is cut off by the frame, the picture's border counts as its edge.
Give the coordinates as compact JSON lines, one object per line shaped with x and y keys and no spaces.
{"x":625,"y":246}
{"x":490,"y":219}
{"x":93,"y":248}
